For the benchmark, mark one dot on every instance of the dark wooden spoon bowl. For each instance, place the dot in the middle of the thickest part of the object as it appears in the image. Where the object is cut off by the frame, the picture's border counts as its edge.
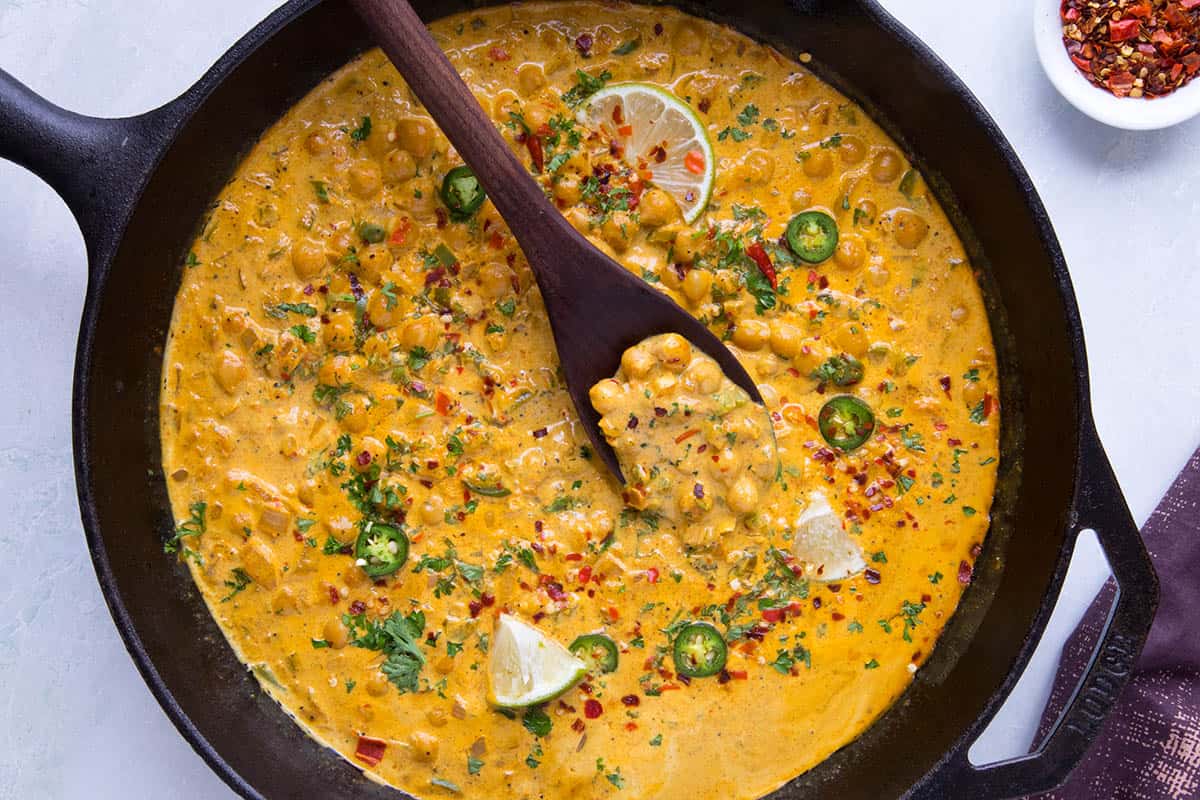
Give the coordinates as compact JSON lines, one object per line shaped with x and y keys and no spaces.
{"x":597,"y":308}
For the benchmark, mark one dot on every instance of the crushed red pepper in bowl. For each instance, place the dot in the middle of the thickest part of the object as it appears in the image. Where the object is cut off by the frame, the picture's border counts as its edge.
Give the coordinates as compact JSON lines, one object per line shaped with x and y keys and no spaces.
{"x":1134,"y":48}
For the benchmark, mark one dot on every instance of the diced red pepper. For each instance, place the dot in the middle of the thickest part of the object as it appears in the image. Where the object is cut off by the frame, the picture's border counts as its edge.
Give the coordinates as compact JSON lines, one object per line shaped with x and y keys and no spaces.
{"x":401,"y":233}
{"x":1140,"y":10}
{"x":652,"y":575}
{"x":738,"y":674}
{"x":585,"y":574}
{"x":625,"y":130}
{"x":990,"y":404}
{"x":442,"y":403}
{"x":1123,"y":30}
{"x":370,"y":751}
{"x":774,"y":614}
{"x":759,"y":255}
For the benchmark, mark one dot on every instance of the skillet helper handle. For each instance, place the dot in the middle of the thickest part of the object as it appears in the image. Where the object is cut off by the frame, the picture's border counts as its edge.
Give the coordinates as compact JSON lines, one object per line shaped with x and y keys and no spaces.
{"x":435,"y":81}
{"x":1098,"y":506}
{"x":96,"y":165}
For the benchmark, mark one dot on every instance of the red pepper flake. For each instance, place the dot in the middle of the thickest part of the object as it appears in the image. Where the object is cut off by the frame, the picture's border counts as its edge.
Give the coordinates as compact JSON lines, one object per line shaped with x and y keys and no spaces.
{"x":1134,"y":48}
{"x":631,"y":700}
{"x":370,"y":751}
{"x":583,"y":43}
{"x":578,"y":725}
{"x":759,"y":255}
{"x":964,"y":573}
{"x":555,"y":590}
{"x":592,"y":708}
{"x":498,"y":54}
{"x":585,"y":574}
{"x":363,"y":458}
{"x":442,"y":404}
{"x":872,"y":575}
{"x":335,"y":596}
{"x":944,"y":382}
{"x":539,"y":433}
{"x":652,"y":575}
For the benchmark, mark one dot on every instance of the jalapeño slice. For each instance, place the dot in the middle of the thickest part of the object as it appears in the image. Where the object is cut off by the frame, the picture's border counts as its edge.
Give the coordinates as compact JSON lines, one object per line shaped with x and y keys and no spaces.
{"x":462,"y":193}
{"x":846,"y":422}
{"x":699,"y":650}
{"x":812,"y":236}
{"x":380,"y":549}
{"x":596,"y":650}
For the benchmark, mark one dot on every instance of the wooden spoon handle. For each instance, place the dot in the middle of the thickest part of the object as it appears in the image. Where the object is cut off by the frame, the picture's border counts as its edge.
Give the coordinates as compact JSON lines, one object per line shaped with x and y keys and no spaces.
{"x":434,"y":80}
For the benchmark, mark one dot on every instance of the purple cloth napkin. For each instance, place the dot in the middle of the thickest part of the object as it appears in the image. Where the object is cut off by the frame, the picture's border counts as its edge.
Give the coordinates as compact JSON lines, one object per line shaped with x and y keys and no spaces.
{"x":1149,"y":747}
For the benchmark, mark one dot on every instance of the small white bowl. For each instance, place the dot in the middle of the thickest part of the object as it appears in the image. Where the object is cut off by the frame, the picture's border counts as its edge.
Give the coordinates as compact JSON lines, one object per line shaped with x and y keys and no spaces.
{"x":1130,"y":113}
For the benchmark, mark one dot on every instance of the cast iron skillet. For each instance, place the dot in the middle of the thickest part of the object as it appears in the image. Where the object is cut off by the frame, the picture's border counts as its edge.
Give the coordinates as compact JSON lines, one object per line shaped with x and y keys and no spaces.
{"x":139,"y":187}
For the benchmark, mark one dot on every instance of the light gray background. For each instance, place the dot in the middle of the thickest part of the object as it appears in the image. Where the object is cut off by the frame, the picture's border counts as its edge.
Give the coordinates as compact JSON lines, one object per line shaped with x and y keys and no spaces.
{"x":75,"y":718}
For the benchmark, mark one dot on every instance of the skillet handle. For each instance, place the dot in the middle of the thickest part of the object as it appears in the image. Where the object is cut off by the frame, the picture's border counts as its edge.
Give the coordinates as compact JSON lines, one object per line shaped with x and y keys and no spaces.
{"x":98,"y":166}
{"x":1098,"y":506}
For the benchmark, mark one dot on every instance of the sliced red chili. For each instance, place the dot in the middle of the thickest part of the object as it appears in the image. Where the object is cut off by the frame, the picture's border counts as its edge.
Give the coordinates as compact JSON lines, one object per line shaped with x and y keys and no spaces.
{"x":370,"y":751}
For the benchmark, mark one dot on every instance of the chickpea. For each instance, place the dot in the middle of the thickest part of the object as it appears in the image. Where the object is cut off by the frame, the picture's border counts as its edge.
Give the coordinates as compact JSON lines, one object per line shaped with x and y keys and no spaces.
{"x":809,"y":358}
{"x":382,"y":137}
{"x":339,"y":332}
{"x":819,"y":163}
{"x":758,"y":167}
{"x":567,"y":190}
{"x":657,"y":208}
{"x":366,"y":179}
{"x":751,"y":334}
{"x":336,"y":634}
{"x":688,"y":39}
{"x":785,"y":339}
{"x":424,"y":746}
{"x":378,"y":685}
{"x":972,"y":392}
{"x":495,"y":280}
{"x":618,"y":229}
{"x":606,"y":396}
{"x":674,"y":351}
{"x":886,"y":166}
{"x":308,"y":258}
{"x":399,"y":166}
{"x":436,"y":717}
{"x":318,"y":142}
{"x":420,"y":332}
{"x":743,"y":495}
{"x":336,"y":371}
{"x":909,"y":228}
{"x":416,"y":135}
{"x":697,"y":284}
{"x":868,"y":210}
{"x":530,"y":78}
{"x":637,"y":361}
{"x":852,"y":338}
{"x":383,"y":308}
{"x":687,"y":246}
{"x":433,"y":509}
{"x":852,"y":150}
{"x":703,"y":376}
{"x":671,"y":276}
{"x":851,"y":253}
{"x":231,"y":371}
{"x":356,"y":418}
{"x":800,"y":200}
{"x":373,"y":261}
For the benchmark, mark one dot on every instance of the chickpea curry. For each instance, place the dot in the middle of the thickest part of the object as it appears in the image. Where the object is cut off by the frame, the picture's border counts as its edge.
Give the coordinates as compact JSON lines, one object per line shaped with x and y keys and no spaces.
{"x":385,"y":496}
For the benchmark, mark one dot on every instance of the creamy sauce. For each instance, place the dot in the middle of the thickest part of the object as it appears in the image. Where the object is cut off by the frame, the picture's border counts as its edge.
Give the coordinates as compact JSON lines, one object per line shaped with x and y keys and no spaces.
{"x":341,"y":351}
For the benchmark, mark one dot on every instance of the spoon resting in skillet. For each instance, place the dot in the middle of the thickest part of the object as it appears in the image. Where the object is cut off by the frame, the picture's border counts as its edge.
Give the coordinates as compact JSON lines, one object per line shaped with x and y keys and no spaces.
{"x":597,"y":308}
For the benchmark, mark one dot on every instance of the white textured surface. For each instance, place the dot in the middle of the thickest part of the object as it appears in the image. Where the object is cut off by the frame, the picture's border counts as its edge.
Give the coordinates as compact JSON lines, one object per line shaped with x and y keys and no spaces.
{"x":78,"y":722}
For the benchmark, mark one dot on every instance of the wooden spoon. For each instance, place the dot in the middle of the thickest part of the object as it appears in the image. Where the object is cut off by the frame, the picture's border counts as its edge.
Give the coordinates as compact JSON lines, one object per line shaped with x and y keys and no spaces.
{"x":597,"y":308}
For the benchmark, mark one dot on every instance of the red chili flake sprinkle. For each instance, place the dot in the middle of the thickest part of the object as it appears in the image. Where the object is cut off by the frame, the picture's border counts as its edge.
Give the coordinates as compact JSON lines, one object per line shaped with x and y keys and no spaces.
{"x":555,"y":590}
{"x":308,"y":290}
{"x":825,"y":455}
{"x":739,"y":674}
{"x":474,"y":607}
{"x":1133,"y":48}
{"x":358,"y":607}
{"x":872,"y":575}
{"x":816,"y":602}
{"x":363,"y":458}
{"x":698,"y":491}
{"x":633,"y":422}
{"x":578,"y":725}
{"x":335,"y":596}
{"x":370,"y":751}
{"x":964,"y":573}
{"x":631,"y":726}
{"x":573,"y":557}
{"x":631,"y":700}
{"x":704,"y":105}
{"x":837,"y":616}
{"x":585,"y":574}
{"x":724,"y":677}
{"x":540,"y":433}
{"x":658,"y":29}
{"x":498,"y":54}
{"x":659,"y":411}
{"x":583,"y":43}
{"x":652,"y":575}
{"x":774,"y":614}
{"x":944,"y":382}
{"x":592,"y":708}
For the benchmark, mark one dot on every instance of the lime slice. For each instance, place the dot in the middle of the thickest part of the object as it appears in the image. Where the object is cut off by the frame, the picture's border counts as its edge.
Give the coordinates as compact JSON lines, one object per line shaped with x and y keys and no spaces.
{"x":660,"y":134}
{"x":527,"y":668}
{"x":822,"y":545}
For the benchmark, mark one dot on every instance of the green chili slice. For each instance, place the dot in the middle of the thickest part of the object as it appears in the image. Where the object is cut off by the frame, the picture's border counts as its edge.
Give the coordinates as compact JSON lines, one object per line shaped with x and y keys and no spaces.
{"x":596,"y":650}
{"x":812,"y":236}
{"x":699,"y":650}
{"x":380,"y":549}
{"x":846,"y":422}
{"x":462,"y":193}
{"x":840,"y":370}
{"x":371,"y":233}
{"x":487,"y":489}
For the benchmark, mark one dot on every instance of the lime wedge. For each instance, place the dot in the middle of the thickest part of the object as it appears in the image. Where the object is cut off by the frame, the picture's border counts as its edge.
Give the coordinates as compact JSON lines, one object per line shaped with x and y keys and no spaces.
{"x":822,"y":545}
{"x":659,"y":134}
{"x":527,"y":668}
